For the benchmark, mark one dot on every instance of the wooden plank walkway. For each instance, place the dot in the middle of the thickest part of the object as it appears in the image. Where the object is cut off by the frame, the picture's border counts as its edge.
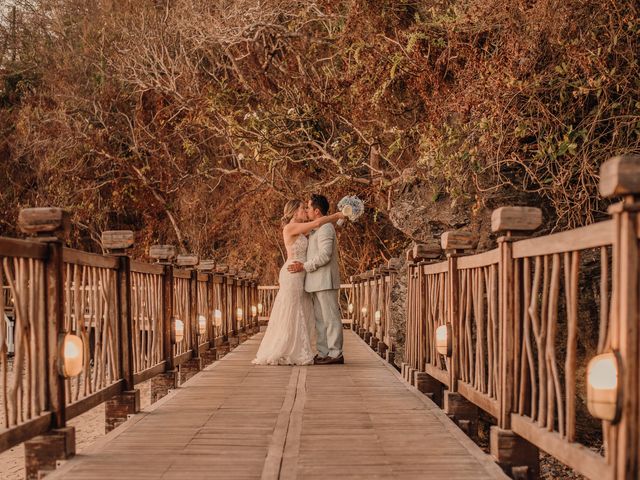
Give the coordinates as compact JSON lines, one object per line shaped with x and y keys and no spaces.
{"x":236,"y":420}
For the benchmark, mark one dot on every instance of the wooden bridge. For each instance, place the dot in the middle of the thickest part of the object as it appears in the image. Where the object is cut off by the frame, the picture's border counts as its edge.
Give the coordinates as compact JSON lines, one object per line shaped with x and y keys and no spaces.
{"x":541,"y":334}
{"x":238,"y":420}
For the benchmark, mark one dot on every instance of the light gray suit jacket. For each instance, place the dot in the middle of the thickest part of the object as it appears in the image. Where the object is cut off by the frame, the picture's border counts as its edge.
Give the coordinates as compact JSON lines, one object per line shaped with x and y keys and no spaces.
{"x":323,"y":272}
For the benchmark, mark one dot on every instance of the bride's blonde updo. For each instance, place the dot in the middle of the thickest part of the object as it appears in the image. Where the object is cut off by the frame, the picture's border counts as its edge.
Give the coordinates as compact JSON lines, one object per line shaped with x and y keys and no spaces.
{"x":290,"y":210}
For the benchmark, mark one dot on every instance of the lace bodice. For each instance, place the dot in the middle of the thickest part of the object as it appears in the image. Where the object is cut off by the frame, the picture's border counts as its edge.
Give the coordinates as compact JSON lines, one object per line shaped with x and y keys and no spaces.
{"x":298,"y":249}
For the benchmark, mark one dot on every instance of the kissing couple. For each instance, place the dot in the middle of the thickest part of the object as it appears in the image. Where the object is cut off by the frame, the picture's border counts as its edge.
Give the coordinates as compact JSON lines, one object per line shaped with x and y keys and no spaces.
{"x":309,"y":285}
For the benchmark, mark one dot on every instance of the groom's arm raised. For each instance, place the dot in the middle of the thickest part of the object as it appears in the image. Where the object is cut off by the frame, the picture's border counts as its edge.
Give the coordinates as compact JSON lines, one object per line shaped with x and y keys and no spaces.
{"x":326,"y":241}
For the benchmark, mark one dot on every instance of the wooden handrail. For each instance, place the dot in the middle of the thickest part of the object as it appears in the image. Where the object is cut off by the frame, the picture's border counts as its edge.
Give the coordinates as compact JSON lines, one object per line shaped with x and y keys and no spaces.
{"x":489,"y":365}
{"x":515,"y":314}
{"x":123,"y":310}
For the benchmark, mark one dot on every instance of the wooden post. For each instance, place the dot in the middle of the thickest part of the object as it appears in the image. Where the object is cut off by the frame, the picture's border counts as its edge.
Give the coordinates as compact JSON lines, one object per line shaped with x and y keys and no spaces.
{"x":509,"y":220}
{"x":511,"y":451}
{"x":234,"y":338}
{"x":118,"y":408}
{"x":620,"y":176}
{"x":422,"y":254}
{"x":42,"y":453}
{"x":224,"y":302}
{"x":514,"y":454}
{"x":431,"y":387}
{"x":206,"y":267}
{"x":454,"y":243}
{"x":162,"y":383}
{"x":116,"y":242}
{"x":463,"y":412}
{"x":50,"y":225}
{"x":192,"y":366}
{"x":254,"y":303}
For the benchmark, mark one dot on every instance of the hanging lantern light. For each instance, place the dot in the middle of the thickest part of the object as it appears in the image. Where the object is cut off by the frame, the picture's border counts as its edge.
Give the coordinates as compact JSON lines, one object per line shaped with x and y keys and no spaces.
{"x":254,"y":311}
{"x":217,"y":318}
{"x":202,"y":324}
{"x":603,"y":386}
{"x":443,"y":339}
{"x":239,"y":314}
{"x":351,"y":308}
{"x":260,"y":307}
{"x":363,"y":310}
{"x":377,"y":316}
{"x":178,"y":330}
{"x":71,"y":355}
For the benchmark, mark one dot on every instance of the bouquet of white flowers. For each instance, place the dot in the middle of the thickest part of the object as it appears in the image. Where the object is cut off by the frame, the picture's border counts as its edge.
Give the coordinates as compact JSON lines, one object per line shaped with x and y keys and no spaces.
{"x":352,"y":208}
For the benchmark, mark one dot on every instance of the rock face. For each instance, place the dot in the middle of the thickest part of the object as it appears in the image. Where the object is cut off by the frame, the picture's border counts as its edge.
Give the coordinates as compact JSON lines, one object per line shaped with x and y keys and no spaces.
{"x":423,"y":214}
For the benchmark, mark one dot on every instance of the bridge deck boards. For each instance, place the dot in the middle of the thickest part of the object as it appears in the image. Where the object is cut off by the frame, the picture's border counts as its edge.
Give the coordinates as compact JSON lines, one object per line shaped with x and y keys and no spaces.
{"x":239,"y":421}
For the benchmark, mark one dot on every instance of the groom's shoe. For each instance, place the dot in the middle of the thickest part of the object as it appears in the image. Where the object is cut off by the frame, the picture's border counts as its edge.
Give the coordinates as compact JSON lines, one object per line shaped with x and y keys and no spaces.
{"x":318,"y":360}
{"x":332,"y":360}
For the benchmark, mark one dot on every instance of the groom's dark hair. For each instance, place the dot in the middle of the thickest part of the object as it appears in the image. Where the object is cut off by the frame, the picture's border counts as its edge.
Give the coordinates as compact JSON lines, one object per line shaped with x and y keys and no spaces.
{"x":320,"y":202}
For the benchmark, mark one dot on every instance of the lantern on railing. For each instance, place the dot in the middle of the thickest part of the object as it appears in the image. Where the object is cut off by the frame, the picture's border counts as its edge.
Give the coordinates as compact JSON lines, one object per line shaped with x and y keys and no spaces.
{"x":443,"y":339}
{"x":254,"y":310}
{"x":239,"y":314}
{"x":603,"y":386}
{"x":178,"y":330}
{"x":350,"y":308}
{"x":202,"y":324}
{"x":377,"y":316}
{"x":260,"y":307}
{"x":70,"y":355}
{"x":217,"y":318}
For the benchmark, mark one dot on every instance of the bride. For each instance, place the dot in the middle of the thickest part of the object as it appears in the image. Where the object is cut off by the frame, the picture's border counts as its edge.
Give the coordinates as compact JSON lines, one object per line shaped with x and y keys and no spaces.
{"x":287,"y":340}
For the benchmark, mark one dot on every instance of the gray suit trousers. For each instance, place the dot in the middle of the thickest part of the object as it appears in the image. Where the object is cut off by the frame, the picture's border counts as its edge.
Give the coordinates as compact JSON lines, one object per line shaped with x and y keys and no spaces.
{"x":328,"y":322}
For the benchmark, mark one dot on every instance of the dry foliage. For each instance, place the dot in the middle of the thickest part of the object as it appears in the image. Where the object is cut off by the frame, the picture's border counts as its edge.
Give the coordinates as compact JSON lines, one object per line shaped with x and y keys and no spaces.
{"x":192,"y":122}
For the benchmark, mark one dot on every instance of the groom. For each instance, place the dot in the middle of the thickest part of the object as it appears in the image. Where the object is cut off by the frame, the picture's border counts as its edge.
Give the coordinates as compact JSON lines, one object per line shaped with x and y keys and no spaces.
{"x":323,"y":283}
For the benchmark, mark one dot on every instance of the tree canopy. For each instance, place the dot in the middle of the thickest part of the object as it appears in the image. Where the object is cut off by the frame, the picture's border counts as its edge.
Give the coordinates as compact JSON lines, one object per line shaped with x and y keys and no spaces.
{"x":193,"y":122}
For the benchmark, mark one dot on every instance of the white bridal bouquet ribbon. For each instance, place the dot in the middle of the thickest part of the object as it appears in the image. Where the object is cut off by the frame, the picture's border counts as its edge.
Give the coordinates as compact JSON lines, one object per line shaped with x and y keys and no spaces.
{"x":351,"y":207}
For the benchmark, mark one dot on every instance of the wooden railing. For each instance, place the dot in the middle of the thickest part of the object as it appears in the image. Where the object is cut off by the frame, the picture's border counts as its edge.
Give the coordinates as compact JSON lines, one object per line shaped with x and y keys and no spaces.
{"x":25,"y":393}
{"x":522,"y":321}
{"x":266,"y":297}
{"x":370,"y":305}
{"x":125,"y":311}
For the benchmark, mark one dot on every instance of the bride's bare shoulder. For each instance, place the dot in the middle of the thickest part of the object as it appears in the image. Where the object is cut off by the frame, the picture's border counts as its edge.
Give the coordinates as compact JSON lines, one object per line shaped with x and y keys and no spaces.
{"x":288,"y":237}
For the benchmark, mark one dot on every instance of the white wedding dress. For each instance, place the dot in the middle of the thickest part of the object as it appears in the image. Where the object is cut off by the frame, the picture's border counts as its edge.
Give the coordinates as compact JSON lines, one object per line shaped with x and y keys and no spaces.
{"x":287,"y":340}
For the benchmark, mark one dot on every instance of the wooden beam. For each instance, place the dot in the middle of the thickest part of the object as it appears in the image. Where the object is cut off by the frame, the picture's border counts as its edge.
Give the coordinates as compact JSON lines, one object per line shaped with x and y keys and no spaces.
{"x":44,"y":220}
{"x":578,"y":457}
{"x":13,"y":436}
{"x":187,"y":260}
{"x":486,"y":403}
{"x":78,"y":257}
{"x":515,"y":218}
{"x":162,"y":253}
{"x":12,"y":247}
{"x":426,"y":251}
{"x":620,"y":176}
{"x":95,"y":399}
{"x":458,"y":240}
{"x":117,"y":239}
{"x":149,"y":372}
